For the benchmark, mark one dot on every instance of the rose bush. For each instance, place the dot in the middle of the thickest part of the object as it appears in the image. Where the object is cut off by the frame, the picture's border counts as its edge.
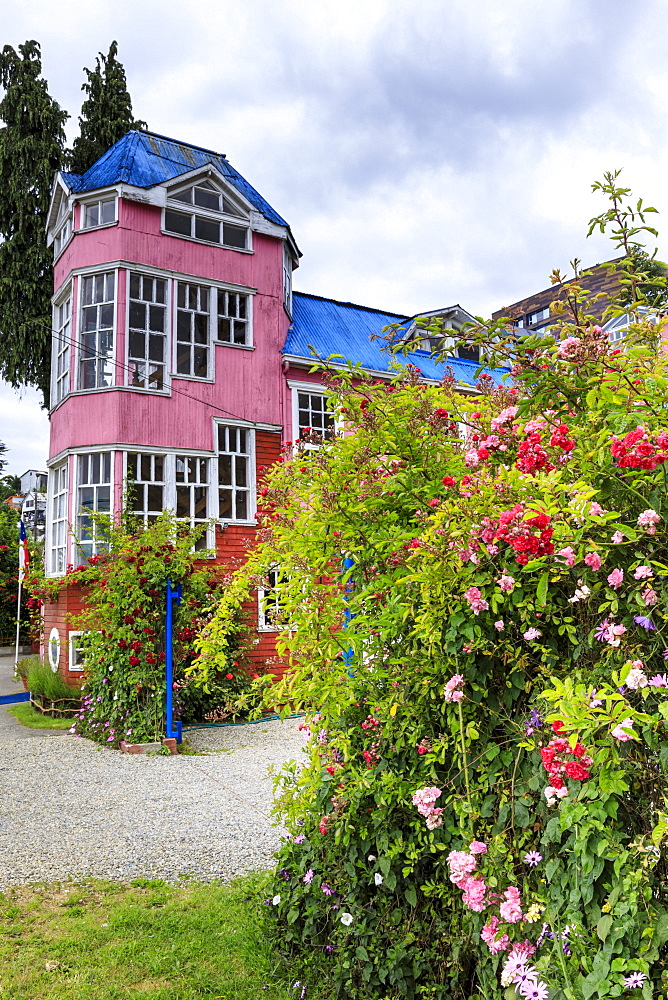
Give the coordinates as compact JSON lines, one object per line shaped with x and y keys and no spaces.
{"x":473,"y":591}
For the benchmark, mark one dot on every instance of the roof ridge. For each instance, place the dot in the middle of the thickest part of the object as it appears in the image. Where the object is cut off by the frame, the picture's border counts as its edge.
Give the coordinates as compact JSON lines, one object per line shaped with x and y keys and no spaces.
{"x":352,"y":305}
{"x":178,"y":142}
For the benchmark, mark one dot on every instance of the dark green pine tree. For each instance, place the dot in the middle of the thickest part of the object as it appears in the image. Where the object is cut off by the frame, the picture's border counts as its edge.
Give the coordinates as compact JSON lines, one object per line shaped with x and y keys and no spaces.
{"x":31,"y":149}
{"x":106,"y":114}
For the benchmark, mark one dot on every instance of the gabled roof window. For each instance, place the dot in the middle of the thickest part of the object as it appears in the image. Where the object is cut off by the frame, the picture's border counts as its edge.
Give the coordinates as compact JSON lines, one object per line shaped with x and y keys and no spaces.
{"x":204,"y":221}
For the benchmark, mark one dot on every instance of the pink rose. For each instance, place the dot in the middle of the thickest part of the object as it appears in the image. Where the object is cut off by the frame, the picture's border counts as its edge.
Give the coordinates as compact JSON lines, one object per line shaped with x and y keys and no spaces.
{"x":477,"y":847}
{"x":618,"y":731}
{"x":593,"y":560}
{"x":567,"y":555}
{"x":615,"y":578}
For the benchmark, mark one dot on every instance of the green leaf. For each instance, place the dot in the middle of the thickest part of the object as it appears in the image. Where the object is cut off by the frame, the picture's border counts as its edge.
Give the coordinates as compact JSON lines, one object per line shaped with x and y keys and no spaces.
{"x":410,"y":895}
{"x":541,"y":590}
{"x":604,"y":925}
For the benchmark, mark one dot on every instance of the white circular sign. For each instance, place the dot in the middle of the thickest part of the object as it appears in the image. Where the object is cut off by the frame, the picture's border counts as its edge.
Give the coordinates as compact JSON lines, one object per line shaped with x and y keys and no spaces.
{"x":54,"y":649}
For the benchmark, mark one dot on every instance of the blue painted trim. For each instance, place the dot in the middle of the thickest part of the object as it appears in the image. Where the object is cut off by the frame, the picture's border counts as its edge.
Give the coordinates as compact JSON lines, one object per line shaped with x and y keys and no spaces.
{"x":170,"y":597}
{"x":14,"y":699}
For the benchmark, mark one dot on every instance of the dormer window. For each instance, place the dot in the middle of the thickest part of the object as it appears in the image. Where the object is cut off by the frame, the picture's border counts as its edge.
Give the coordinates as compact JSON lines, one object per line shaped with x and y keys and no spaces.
{"x":98,"y":213}
{"x":204,"y":222}
{"x":62,"y":237}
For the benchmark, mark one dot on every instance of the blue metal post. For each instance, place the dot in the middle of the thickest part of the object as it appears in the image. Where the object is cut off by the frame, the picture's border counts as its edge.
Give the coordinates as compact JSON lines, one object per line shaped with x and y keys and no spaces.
{"x":171,"y":596}
{"x":348,"y":656}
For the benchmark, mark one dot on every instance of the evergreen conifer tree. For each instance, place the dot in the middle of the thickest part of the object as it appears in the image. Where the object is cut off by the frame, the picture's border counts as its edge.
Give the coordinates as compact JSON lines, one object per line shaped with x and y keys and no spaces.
{"x":106,"y":114}
{"x":31,"y":149}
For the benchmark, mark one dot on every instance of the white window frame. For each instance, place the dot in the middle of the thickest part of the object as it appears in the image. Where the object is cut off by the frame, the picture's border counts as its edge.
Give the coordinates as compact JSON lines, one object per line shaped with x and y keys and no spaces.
{"x":222,"y":218}
{"x":147,"y":515}
{"x":58,"y":490}
{"x":312,"y":389}
{"x":167,"y":362}
{"x":210,"y":364}
{"x":80,"y":332}
{"x":252,"y":486}
{"x":62,"y":236}
{"x":63,"y":344}
{"x":264,"y":624}
{"x":169,"y":485}
{"x":72,"y":648}
{"x":97,"y":544}
{"x":98,"y":202}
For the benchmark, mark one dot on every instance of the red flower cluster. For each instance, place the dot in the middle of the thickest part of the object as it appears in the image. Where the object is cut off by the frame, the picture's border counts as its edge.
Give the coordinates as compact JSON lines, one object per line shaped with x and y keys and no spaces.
{"x":560,"y":439}
{"x":531,"y":456}
{"x":372,"y":755}
{"x":370,"y":722}
{"x":561,"y":760}
{"x":528,"y":538}
{"x":637,"y":450}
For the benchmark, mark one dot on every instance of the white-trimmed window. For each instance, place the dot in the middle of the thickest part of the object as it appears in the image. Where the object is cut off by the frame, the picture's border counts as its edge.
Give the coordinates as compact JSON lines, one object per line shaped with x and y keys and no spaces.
{"x":233,"y":318}
{"x":192,"y":492}
{"x":235,"y":451}
{"x":146,"y":485}
{"x":268,"y":602}
{"x":213,"y":216}
{"x":62,"y":333}
{"x":62,"y":237}
{"x":98,"y":213}
{"x":192,"y":330}
{"x":96,"y":337}
{"x":76,"y":652}
{"x":93,"y":497}
{"x":315,"y":422}
{"x":287,"y":280}
{"x":59,"y":521}
{"x":147,"y":331}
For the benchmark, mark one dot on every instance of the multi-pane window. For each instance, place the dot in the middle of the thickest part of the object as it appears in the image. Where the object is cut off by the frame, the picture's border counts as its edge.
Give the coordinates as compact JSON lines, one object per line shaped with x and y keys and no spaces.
{"x":234,"y":454}
{"x":146,"y":485}
{"x":98,"y":213}
{"x":58,"y":542}
{"x":62,"y":236}
{"x":61,"y":351}
{"x":97,"y":331}
{"x":232,"y":318}
{"x":192,"y":488}
{"x":206,"y":224}
{"x":315,"y":422}
{"x":93,"y":497}
{"x":147,"y":342}
{"x":192,"y":330}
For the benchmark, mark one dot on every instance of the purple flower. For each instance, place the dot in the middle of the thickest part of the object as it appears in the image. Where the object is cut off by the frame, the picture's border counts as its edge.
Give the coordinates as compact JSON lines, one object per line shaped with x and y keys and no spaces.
{"x":299,"y":839}
{"x":535,"y":722}
{"x":329,"y":948}
{"x":328,"y":891}
{"x":308,"y":878}
{"x":602,"y":630}
{"x":659,"y":681}
{"x":533,"y":858}
{"x":645,"y":622}
{"x":633,"y":981}
{"x":665,"y":654}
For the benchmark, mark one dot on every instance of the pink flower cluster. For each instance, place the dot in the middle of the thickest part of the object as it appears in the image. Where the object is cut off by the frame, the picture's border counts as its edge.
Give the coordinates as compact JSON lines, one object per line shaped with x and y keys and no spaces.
{"x":522,"y":976}
{"x":424,"y":799}
{"x":476,"y":600}
{"x":511,"y":908}
{"x":461,"y":864}
{"x":619,"y":731}
{"x":637,"y":450}
{"x":649,"y":519}
{"x":453,"y":690}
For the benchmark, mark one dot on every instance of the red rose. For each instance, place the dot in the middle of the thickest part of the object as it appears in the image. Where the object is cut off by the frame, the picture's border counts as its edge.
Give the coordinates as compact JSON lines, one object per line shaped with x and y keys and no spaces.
{"x":556,"y":782}
{"x":576,"y":771}
{"x":229,"y":677}
{"x":134,"y":661}
{"x":558,"y":726}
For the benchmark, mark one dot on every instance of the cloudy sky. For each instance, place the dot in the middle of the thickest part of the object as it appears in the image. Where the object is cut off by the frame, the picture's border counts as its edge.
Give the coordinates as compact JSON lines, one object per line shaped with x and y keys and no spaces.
{"x":424,"y":152}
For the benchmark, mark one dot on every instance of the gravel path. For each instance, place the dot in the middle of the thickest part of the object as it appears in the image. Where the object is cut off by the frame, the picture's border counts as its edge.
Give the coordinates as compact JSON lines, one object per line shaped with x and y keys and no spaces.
{"x":68,"y":808}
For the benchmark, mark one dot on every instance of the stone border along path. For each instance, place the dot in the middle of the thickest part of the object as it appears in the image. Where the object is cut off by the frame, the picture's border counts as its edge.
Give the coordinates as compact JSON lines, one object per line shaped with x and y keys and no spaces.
{"x":69,"y":809}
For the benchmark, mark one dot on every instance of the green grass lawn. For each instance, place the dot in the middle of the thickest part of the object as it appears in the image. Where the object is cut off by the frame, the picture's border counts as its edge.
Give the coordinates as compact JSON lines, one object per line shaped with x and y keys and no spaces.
{"x":27,"y":716}
{"x":144,"y":941}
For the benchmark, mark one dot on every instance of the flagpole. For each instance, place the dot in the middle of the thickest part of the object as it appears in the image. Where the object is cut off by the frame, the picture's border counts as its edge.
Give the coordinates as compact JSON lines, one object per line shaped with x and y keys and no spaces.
{"x":18,"y":626}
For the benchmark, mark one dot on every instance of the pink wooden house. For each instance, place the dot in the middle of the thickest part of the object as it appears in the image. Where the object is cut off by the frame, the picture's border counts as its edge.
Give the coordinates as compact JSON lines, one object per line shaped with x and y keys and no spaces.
{"x":181,"y":354}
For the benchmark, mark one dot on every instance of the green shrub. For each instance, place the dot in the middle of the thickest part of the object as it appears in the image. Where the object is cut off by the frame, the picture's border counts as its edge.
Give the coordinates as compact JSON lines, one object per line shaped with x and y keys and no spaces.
{"x":474,"y":599}
{"x":42,"y":680}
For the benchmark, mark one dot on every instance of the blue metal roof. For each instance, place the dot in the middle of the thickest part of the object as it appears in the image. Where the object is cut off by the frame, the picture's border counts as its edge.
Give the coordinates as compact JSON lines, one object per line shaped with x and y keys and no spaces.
{"x":145,"y":159}
{"x":342,"y":328}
